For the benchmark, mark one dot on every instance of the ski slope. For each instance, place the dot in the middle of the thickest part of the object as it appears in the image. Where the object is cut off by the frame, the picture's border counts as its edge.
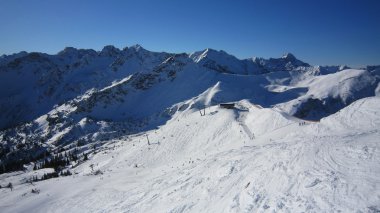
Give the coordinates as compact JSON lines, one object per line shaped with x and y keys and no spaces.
{"x":249,"y":159}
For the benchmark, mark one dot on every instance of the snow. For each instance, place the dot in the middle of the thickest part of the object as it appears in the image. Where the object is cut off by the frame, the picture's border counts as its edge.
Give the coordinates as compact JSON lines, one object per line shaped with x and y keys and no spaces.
{"x":257,"y":157}
{"x":362,"y":115}
{"x":344,"y":86}
{"x":322,"y":86}
{"x":212,"y":164}
{"x":69,"y":75}
{"x":219,"y":60}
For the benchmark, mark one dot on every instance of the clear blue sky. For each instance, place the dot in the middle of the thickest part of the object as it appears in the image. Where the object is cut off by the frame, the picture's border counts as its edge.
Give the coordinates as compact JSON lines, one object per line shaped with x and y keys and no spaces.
{"x":319,"y":32}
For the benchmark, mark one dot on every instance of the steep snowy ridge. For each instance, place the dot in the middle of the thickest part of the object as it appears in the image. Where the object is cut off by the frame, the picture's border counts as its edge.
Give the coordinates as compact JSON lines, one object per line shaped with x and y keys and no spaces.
{"x":219,"y":61}
{"x":328,"y":93}
{"x":55,"y":79}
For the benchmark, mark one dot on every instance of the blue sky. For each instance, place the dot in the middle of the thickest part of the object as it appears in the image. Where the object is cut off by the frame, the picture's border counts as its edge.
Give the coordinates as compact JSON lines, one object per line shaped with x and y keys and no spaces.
{"x":320,"y":32}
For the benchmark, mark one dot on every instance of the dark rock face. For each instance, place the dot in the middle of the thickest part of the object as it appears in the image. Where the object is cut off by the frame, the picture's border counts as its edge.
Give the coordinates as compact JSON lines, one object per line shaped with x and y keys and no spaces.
{"x":315,"y":109}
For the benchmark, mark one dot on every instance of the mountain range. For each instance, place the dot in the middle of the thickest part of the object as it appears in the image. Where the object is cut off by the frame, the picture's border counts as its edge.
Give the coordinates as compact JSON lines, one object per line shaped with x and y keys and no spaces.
{"x":84,"y":102}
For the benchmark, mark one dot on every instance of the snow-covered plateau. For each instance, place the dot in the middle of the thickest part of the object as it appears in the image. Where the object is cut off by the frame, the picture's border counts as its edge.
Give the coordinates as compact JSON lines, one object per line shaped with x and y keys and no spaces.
{"x":138,"y":131}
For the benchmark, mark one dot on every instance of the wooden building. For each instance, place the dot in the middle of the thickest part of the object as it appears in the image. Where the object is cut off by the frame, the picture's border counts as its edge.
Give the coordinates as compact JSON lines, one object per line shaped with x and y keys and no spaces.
{"x":227,"y":105}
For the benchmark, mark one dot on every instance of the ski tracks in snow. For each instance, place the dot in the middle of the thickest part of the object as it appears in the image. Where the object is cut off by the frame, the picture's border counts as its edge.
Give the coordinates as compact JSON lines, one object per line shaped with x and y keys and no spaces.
{"x":241,"y":118}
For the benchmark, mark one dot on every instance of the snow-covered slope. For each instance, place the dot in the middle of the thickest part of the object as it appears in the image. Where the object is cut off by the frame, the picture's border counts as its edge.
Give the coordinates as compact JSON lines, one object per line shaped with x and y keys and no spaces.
{"x":328,"y":93}
{"x":32,"y":84}
{"x":82,"y":107}
{"x":83,"y":96}
{"x":221,"y":61}
{"x":249,"y":159}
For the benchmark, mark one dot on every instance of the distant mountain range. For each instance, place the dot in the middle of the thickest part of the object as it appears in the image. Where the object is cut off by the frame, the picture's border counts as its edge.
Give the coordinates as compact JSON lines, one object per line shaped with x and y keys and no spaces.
{"x":83,"y":96}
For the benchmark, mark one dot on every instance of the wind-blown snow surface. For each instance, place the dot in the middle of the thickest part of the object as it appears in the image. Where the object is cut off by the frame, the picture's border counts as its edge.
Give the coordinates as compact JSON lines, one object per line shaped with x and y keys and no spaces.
{"x":249,"y":159}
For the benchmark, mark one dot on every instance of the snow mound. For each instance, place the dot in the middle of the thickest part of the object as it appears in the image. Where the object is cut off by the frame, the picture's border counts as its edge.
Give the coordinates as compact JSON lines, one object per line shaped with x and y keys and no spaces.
{"x":361,"y":115}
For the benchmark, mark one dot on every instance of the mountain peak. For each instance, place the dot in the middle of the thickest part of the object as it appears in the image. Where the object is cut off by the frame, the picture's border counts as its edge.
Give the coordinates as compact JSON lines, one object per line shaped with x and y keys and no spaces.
{"x":137,"y":47}
{"x":212,"y":53}
{"x":67,"y":50}
{"x":289,"y":56}
{"x":109,"y":50}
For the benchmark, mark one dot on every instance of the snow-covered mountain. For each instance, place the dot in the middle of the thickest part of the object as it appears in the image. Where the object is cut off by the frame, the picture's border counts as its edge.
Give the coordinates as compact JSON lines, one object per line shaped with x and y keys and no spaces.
{"x":32,"y":84}
{"x":148,"y":116}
